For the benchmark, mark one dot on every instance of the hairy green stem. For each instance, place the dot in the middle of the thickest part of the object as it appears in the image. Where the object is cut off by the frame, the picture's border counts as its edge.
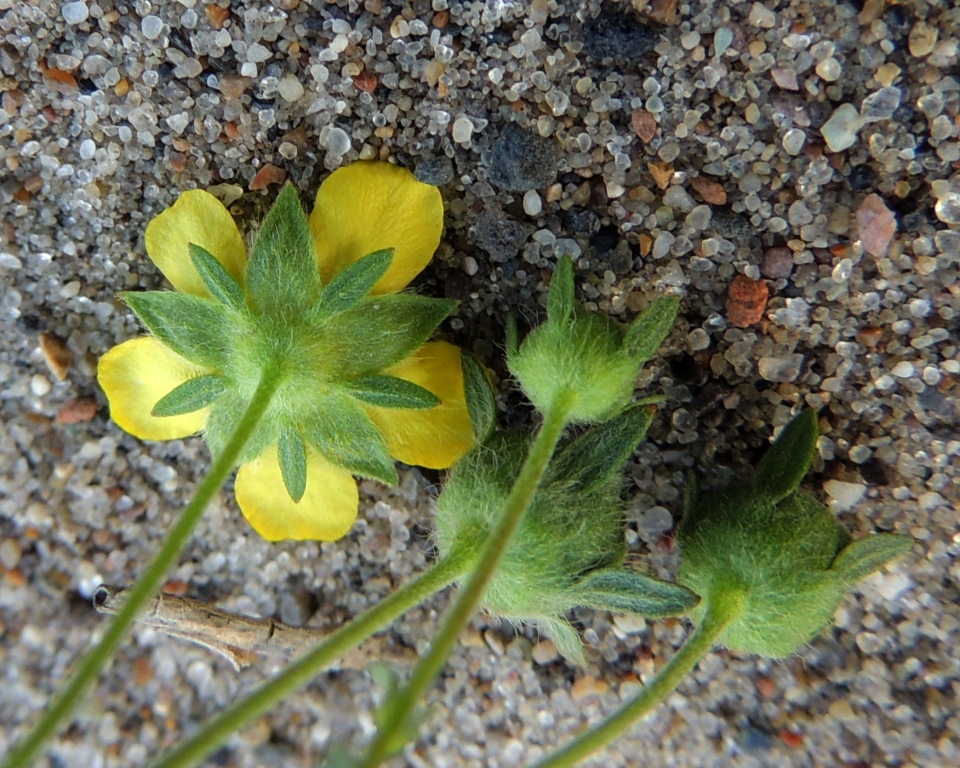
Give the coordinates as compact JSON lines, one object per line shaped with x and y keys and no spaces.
{"x":718,"y":617}
{"x":219,"y":728}
{"x":27,"y":751}
{"x":457,"y":616}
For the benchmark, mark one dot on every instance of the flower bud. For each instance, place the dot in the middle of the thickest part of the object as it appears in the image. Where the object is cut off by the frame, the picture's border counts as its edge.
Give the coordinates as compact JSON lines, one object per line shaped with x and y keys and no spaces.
{"x":776,"y":550}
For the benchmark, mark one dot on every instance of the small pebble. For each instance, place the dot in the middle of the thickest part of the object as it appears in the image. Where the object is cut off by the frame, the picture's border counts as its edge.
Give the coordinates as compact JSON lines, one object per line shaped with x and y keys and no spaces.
{"x":435,"y":171}
{"x":57,"y":355}
{"x":761,"y":16}
{"x":75,"y":13}
{"x":520,"y":160}
{"x":151,"y":26}
{"x":904,"y":370}
{"x":587,"y":686}
{"x":722,"y":39}
{"x":462,"y":130}
{"x":840,"y":131}
{"x":268,"y":175}
{"x":39,"y":385}
{"x":876,"y":225}
{"x":532,"y":204}
{"x":777,"y":263}
{"x":880,"y":105}
{"x":746,"y":301}
{"x":338,"y":142}
{"x":712,"y":192}
{"x":77,"y":410}
{"x":829,"y":69}
{"x":844,"y":496}
{"x":922,"y":39}
{"x":545,"y":652}
{"x":644,"y":125}
{"x":290,"y":88}
{"x":793,"y":141}
{"x":785,"y":78}
{"x":780,"y":369}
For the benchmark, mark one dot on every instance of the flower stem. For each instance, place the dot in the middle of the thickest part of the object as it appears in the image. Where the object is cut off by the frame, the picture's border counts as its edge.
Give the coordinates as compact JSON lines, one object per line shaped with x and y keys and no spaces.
{"x":149,"y":581}
{"x":717,"y":618}
{"x":457,"y":616}
{"x":216,"y":730}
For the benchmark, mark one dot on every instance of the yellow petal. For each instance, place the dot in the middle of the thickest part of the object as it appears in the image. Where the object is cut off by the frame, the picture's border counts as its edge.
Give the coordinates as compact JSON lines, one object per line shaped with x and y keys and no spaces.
{"x":433,"y":437}
{"x":326,"y":511}
{"x":199,"y":218}
{"x":135,"y":375}
{"x":367,"y":206}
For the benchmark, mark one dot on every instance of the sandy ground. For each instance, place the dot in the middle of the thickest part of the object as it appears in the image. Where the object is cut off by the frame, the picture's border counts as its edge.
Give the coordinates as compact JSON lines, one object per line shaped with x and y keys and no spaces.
{"x":808,"y":147}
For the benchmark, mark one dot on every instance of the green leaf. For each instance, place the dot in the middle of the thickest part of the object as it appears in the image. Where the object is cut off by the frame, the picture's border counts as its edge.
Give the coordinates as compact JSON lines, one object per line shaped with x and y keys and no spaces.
{"x":196,"y":328}
{"x":392,"y":392}
{"x":564,"y":636}
{"x":348,"y":287}
{"x":383,"y":330}
{"x":560,"y":299}
{"x":292,"y":454}
{"x":192,"y":395}
{"x":787,"y":461}
{"x":219,"y":282}
{"x":282,"y":275}
{"x":865,"y":556}
{"x":344,"y":435}
{"x":623,"y":591}
{"x":647,"y":332}
{"x":481,"y":404}
{"x":596,"y":455}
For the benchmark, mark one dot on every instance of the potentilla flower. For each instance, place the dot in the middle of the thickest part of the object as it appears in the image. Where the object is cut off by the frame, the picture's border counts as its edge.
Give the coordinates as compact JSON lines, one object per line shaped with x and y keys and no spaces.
{"x":317,"y":304}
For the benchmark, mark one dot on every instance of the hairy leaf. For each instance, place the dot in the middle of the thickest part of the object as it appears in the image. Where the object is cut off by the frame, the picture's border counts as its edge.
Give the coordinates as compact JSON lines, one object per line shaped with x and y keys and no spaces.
{"x":865,"y":556}
{"x":193,"y":327}
{"x":622,"y":591}
{"x":219,"y":282}
{"x":599,"y":453}
{"x":192,"y":395}
{"x":282,"y":275}
{"x":292,"y":454}
{"x":479,"y":396}
{"x":647,"y":332}
{"x":383,"y":330}
{"x":560,"y":299}
{"x":787,"y":461}
{"x":348,"y":287}
{"x":392,"y":392}
{"x":344,"y":435}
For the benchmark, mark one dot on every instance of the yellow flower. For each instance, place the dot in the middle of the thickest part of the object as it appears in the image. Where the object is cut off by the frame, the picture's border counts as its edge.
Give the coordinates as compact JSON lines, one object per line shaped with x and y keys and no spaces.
{"x":360,"y":210}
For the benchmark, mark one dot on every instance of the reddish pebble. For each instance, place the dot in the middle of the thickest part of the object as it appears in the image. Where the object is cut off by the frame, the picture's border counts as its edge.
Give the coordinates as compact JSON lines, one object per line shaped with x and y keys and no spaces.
{"x":233,"y":86}
{"x":766,"y":687}
{"x":60,"y":81}
{"x":746,"y":301}
{"x":870,"y":336}
{"x":366,"y":81}
{"x":791,"y":738}
{"x":175,"y":588}
{"x":664,"y":11}
{"x":77,"y":410}
{"x":268,"y":175}
{"x":777,"y":263}
{"x":57,"y":354}
{"x":876,"y":225}
{"x":711,"y":191}
{"x":644,"y":125}
{"x":217,"y":15}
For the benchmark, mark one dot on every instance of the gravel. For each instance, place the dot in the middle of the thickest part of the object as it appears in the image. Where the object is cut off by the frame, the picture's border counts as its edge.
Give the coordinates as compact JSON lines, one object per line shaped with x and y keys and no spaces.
{"x":108,"y":111}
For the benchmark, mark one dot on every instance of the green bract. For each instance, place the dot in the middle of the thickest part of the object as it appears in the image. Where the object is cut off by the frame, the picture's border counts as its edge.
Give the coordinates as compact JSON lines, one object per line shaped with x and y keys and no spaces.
{"x":775,"y":550}
{"x":591,"y":356}
{"x":569,"y":548}
{"x":329,"y":345}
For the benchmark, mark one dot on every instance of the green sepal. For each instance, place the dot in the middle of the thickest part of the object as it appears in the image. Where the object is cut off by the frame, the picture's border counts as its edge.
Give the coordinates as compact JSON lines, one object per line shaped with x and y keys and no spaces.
{"x":865,"y":556}
{"x":392,"y":392}
{"x":647,"y":332}
{"x":219,"y":282}
{"x":383,"y":330}
{"x":192,"y":395}
{"x":785,"y":463}
{"x":348,"y":287}
{"x":344,"y":435}
{"x":292,"y":455}
{"x":198,"y":329}
{"x":560,"y":298}
{"x":389,"y":681}
{"x":623,"y":591}
{"x":481,"y":404}
{"x":282,"y":275}
{"x":599,"y":453}
{"x":564,"y":637}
